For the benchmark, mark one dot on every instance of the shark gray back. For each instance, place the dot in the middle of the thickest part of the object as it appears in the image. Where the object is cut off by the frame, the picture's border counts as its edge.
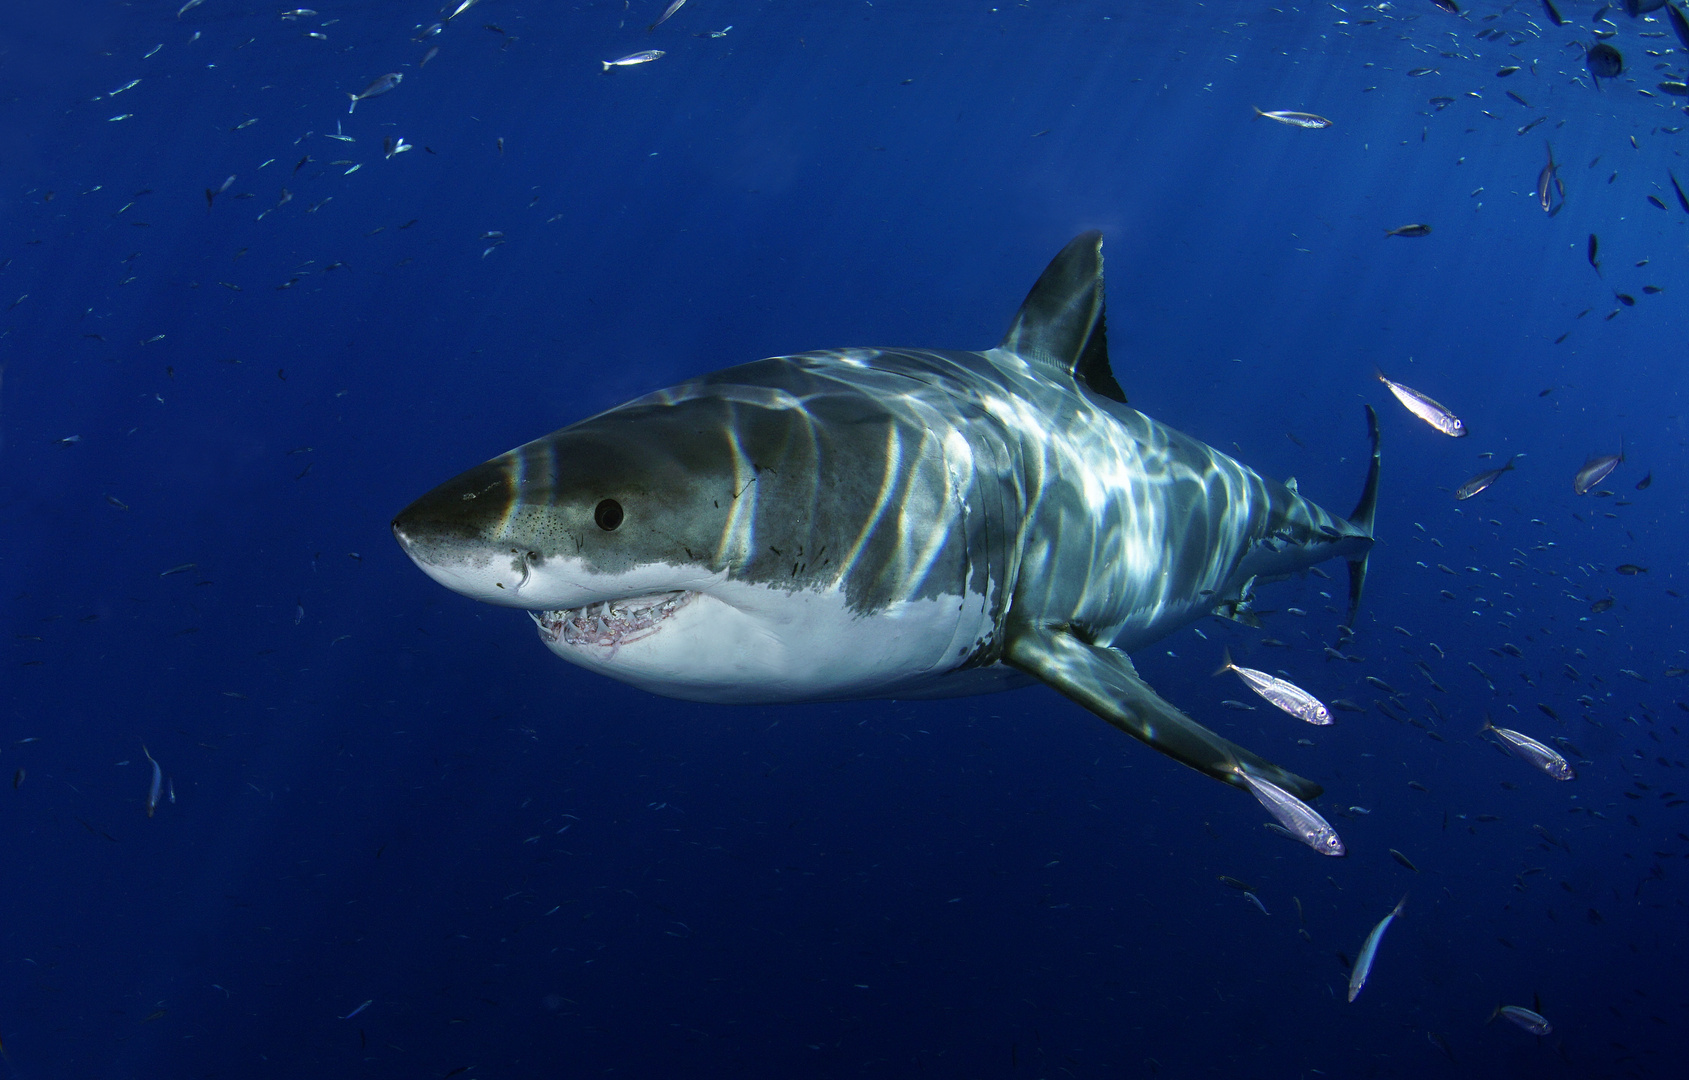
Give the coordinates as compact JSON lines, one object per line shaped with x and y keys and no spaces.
{"x":862,"y":523}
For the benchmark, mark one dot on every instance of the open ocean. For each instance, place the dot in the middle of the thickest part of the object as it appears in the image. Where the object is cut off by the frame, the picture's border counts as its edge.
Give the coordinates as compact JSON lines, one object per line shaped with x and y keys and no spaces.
{"x":395,"y":837}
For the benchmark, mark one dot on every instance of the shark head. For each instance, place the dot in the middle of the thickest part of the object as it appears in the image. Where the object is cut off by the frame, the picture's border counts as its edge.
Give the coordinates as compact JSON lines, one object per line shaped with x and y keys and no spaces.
{"x":605,"y":510}
{"x":688,"y":543}
{"x":613,"y":533}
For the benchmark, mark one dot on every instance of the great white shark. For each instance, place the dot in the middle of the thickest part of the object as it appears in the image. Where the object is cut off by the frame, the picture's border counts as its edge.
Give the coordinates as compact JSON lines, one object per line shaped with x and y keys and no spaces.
{"x":890,"y":523}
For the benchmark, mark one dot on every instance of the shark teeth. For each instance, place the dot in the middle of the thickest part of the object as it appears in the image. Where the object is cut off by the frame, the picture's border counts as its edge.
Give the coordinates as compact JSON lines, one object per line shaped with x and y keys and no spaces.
{"x":611,"y":623}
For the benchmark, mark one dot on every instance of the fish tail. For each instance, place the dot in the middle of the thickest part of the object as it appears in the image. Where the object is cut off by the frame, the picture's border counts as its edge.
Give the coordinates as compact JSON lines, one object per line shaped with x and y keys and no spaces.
{"x":1400,"y":904}
{"x":1227,"y":666}
{"x":1488,"y":725}
{"x":1257,"y":109}
{"x":1362,"y":517}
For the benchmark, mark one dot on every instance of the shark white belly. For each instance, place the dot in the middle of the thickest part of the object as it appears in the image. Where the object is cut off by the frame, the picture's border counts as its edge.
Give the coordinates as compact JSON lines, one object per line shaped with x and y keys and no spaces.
{"x":889,"y":522}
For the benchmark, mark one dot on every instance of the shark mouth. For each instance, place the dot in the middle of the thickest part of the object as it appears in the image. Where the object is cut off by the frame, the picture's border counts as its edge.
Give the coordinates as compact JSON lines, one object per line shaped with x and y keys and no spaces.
{"x":610,"y":624}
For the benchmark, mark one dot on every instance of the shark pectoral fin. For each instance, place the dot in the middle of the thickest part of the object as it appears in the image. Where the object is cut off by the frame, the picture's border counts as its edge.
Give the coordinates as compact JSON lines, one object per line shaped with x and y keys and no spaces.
{"x":1104,"y":681}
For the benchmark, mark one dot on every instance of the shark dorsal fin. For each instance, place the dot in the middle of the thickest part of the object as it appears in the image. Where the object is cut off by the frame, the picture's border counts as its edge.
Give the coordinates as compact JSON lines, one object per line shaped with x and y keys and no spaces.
{"x":1060,"y":325}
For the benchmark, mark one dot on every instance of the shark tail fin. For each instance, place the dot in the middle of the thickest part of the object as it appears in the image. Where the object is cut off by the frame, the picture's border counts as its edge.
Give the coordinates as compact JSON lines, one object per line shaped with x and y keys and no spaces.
{"x":1060,"y":326}
{"x":1362,"y":518}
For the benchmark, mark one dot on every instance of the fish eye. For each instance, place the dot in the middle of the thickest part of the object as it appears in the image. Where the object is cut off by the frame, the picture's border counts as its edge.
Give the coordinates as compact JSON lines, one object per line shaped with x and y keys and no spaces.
{"x":608,"y":515}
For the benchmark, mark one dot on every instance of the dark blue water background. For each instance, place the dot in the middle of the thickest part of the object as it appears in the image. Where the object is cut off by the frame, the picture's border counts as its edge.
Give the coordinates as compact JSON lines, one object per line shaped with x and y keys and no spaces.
{"x":386,"y":792}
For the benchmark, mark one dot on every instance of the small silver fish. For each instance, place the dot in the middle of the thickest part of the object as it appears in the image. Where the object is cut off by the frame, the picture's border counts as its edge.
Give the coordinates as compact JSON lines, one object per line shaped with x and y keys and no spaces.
{"x":376,"y":88}
{"x":1282,"y":693}
{"x":1425,"y":408}
{"x":1545,"y":182}
{"x":631,"y":59}
{"x":1296,"y":817}
{"x":1369,"y":951}
{"x":156,"y":788}
{"x":1528,"y":749}
{"x":1312,"y":121}
{"x":1595,"y":470}
{"x":1484,"y":479}
{"x":665,"y":16}
{"x":1532,"y":1022}
{"x":1256,"y":900}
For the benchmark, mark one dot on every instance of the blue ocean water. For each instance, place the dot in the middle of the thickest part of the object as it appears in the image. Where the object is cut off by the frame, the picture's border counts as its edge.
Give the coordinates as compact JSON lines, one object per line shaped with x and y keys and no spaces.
{"x":401,"y":839}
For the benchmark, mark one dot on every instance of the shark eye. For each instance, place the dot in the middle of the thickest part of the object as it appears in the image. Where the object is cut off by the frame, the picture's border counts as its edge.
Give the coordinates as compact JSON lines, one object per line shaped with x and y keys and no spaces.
{"x":608,"y":514}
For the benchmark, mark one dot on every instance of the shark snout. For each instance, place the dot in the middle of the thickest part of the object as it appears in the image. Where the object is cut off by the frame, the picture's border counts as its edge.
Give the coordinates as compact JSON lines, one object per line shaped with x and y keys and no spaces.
{"x":402,"y":533}
{"x":456,"y":534}
{"x":470,"y":508}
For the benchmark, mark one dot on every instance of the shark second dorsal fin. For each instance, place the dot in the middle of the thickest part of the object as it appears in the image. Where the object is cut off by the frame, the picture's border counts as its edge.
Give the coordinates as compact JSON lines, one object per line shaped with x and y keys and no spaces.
{"x":1060,"y":325}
